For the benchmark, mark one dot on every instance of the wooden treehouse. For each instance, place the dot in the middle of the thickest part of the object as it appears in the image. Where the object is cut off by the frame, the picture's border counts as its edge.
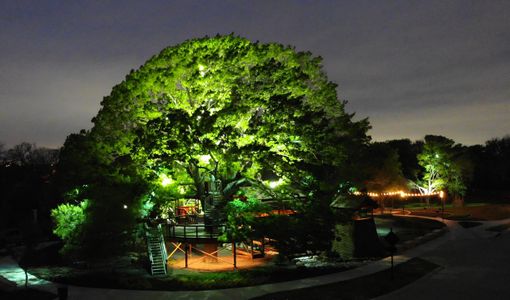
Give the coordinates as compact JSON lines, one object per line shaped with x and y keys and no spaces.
{"x":190,"y":239}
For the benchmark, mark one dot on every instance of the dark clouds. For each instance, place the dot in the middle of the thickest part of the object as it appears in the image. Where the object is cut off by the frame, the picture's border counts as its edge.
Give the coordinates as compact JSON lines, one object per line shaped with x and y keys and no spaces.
{"x":412,"y":67}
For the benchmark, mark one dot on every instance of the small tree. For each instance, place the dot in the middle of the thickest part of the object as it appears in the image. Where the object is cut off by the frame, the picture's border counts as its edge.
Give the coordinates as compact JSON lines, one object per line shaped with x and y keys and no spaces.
{"x":68,"y":220}
{"x":445,"y":167}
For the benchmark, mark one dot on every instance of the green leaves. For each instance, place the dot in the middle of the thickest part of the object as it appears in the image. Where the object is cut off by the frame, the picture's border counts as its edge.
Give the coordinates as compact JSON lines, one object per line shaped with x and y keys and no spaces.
{"x":246,"y":107}
{"x":68,"y":218}
{"x":242,"y":215}
{"x":444,"y":165}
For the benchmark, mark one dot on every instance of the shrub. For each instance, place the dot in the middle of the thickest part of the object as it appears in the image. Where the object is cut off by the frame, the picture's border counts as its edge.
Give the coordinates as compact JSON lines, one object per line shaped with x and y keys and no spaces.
{"x":68,"y":218}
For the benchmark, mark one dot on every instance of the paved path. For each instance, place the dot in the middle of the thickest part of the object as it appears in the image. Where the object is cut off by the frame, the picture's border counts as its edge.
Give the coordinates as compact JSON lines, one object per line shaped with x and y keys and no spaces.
{"x":475,"y":265}
{"x":10,"y":270}
{"x":471,"y":258}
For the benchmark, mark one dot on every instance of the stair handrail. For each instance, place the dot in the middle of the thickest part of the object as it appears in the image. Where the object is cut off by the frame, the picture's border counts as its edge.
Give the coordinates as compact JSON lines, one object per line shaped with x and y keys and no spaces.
{"x":162,"y":245}
{"x":147,"y":240}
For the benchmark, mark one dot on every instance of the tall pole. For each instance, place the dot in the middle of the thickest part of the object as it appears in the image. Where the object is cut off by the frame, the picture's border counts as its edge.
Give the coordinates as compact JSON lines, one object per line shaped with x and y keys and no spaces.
{"x":392,"y":276}
{"x":186,"y":255}
{"x":441,"y":195}
{"x":234,"y":253}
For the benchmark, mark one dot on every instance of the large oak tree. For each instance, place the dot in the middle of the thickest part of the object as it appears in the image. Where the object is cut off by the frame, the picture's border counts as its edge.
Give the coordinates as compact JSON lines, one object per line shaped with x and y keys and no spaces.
{"x":223,"y":107}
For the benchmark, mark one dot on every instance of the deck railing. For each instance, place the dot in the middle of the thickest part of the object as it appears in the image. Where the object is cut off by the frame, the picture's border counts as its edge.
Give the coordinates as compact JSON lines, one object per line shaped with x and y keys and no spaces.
{"x":193,"y":231}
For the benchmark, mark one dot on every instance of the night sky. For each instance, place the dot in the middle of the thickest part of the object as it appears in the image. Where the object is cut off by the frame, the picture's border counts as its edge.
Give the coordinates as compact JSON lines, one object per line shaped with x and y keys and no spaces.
{"x":411,"y":67}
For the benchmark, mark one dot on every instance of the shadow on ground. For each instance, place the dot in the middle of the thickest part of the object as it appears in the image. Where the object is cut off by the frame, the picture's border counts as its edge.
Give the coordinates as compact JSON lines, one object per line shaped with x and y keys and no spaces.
{"x":366,"y":287}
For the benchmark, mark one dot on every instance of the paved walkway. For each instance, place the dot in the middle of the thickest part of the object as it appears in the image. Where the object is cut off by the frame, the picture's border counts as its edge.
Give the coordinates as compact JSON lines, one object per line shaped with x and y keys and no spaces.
{"x":475,"y":265}
{"x":454,"y":250}
{"x":10,"y":270}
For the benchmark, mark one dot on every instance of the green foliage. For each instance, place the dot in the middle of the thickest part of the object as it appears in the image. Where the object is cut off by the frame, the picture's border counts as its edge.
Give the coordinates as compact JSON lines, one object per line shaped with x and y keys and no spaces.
{"x":68,"y":219}
{"x":445,"y":166}
{"x":435,"y":159}
{"x":242,"y":216}
{"x":211,"y":109}
{"x":112,"y":218}
{"x":246,"y":106}
{"x":298,"y":234}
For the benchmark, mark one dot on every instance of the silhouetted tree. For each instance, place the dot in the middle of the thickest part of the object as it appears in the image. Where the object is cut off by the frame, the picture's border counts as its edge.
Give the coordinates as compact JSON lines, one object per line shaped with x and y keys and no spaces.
{"x":383,"y":168}
{"x":21,"y":154}
{"x":407,"y":155}
{"x":492,"y":164}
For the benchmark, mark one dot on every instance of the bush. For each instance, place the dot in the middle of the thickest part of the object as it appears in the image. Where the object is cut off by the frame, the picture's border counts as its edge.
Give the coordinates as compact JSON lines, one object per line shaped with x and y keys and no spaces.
{"x":242,"y":216}
{"x":68,"y":219}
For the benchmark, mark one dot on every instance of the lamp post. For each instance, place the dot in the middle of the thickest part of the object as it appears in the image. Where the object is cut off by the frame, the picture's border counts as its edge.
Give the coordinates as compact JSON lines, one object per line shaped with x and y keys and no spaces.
{"x":392,"y":239}
{"x":441,"y":196}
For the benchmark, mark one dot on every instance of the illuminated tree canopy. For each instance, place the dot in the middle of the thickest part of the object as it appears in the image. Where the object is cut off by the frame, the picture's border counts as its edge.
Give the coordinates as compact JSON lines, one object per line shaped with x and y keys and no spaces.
{"x":228,"y":108}
{"x":239,"y":105}
{"x":445,"y":166}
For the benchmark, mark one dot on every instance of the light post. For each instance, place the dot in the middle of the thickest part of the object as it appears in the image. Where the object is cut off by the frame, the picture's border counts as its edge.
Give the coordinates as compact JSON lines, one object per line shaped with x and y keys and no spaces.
{"x":441,"y":196}
{"x":392,"y":239}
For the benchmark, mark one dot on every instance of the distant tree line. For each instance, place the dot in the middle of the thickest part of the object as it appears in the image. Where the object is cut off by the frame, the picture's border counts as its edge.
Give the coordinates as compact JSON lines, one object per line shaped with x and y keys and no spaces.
{"x":439,"y":163}
{"x":25,"y":154}
{"x":26,"y":190}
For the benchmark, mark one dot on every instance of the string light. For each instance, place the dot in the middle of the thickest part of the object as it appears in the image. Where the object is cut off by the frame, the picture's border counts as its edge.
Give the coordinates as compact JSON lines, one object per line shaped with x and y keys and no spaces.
{"x":401,"y":194}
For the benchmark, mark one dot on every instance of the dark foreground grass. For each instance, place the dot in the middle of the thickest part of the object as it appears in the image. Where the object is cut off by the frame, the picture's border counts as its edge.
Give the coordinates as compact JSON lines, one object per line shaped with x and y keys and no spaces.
{"x":470,"y":212}
{"x":175,"y":281}
{"x":367,"y":287}
{"x":134,"y":276}
{"x":26,"y":294}
{"x":469,"y":224}
{"x":499,"y":228}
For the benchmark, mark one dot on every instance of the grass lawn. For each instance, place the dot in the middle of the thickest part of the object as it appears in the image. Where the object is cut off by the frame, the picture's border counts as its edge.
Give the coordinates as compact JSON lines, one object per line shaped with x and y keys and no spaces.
{"x":367,"y":287}
{"x":25,"y":294}
{"x":499,"y":228}
{"x":472,"y":211}
{"x":176,"y":280}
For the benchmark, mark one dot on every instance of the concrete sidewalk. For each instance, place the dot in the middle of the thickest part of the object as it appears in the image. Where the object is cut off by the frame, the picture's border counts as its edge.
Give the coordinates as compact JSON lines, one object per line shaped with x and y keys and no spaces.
{"x":455,"y":233}
{"x":475,"y":265}
{"x":11,"y":271}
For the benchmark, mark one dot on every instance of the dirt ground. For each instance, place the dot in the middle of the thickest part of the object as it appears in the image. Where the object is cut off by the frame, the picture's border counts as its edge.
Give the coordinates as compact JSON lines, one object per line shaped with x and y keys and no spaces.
{"x":222,"y":263}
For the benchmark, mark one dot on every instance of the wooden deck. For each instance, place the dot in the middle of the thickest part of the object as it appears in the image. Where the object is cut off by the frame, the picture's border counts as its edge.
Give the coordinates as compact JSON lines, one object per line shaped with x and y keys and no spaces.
{"x":192,"y":232}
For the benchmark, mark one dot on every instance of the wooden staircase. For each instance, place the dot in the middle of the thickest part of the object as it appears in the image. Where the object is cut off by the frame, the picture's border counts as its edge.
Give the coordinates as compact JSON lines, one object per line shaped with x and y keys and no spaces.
{"x":157,"y":250}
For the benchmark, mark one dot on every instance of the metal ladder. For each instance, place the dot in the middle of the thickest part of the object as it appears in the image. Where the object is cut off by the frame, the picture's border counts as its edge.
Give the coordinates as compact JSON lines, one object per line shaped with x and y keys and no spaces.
{"x":157,"y":250}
